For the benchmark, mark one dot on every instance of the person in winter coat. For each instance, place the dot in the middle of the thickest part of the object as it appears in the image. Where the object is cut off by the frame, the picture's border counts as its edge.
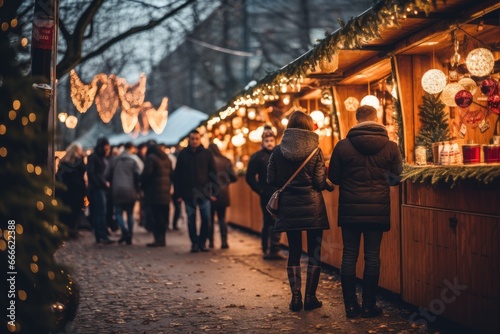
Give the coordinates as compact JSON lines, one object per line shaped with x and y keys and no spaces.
{"x":364,"y":164}
{"x":156,"y":181}
{"x":256,"y":178}
{"x":71,"y":173}
{"x":194,"y":176}
{"x":225,"y":175}
{"x":123,"y":173}
{"x":301,"y":204}
{"x":96,"y":167}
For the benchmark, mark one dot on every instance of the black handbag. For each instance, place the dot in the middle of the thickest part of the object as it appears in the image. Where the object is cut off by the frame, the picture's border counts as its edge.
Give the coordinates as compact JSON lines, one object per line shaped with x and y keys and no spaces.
{"x":272,"y":205}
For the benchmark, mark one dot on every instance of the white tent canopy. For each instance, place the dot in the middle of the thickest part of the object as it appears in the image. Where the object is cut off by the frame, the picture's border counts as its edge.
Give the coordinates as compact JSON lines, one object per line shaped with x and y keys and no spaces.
{"x":180,"y":122}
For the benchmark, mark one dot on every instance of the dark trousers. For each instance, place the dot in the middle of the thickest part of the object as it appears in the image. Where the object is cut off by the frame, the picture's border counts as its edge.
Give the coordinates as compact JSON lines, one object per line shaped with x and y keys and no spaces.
{"x":314,"y":239}
{"x":198,"y":240}
{"x":160,"y":213}
{"x":270,"y":239}
{"x":351,"y":239}
{"x":221,"y":219}
{"x":177,"y":213}
{"x":97,"y":199}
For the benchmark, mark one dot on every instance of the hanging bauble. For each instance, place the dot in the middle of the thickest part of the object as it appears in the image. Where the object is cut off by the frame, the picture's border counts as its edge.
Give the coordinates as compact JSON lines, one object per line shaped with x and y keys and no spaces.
{"x":370,"y":100}
{"x":480,"y":62}
{"x":468,"y":84}
{"x":463,"y":98}
{"x":449,"y":93}
{"x":488,"y":86}
{"x":494,"y":103}
{"x":433,"y":81}
{"x":329,"y":66}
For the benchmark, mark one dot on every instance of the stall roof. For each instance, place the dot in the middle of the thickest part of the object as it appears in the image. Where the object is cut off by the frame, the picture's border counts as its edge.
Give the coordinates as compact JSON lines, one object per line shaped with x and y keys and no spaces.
{"x":366,"y":43}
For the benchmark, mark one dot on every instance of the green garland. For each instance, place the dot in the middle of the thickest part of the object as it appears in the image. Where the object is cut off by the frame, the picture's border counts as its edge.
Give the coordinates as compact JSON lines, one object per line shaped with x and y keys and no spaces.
{"x":453,"y":175}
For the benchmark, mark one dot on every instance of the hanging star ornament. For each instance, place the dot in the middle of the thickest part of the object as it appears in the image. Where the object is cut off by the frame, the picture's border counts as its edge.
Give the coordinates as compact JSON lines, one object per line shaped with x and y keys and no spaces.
{"x":157,"y":118}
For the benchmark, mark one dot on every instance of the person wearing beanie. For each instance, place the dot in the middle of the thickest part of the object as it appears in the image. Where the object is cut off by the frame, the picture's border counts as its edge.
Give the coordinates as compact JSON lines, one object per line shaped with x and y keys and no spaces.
{"x":256,"y":178}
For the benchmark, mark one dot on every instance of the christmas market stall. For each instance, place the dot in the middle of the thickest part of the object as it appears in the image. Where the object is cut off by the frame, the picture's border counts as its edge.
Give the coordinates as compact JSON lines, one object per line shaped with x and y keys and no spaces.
{"x":431,"y":69}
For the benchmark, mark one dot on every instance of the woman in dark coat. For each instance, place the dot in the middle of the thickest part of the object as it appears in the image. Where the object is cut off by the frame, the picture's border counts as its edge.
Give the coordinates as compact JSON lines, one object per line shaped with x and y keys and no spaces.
{"x":155,"y":182}
{"x":225,"y":175}
{"x":71,"y":173}
{"x":301,"y":204}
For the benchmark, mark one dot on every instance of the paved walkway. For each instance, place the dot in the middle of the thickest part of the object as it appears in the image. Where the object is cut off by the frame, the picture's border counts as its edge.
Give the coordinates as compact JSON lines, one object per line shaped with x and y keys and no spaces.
{"x":136,"y":289}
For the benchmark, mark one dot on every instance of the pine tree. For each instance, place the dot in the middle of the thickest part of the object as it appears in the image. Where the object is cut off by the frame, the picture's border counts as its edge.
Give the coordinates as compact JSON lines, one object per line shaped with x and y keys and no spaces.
{"x":434,"y":123}
{"x":40,"y":296}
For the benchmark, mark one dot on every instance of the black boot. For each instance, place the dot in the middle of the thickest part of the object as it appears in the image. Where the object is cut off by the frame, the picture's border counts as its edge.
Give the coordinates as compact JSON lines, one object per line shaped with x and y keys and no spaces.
{"x":295,"y":284}
{"x":123,"y":237}
{"x":370,"y":285}
{"x":310,"y":300}
{"x":352,"y":308}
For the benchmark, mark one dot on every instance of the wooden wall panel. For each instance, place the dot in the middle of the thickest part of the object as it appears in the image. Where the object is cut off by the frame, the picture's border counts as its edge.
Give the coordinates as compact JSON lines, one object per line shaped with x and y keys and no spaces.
{"x":347,"y":119}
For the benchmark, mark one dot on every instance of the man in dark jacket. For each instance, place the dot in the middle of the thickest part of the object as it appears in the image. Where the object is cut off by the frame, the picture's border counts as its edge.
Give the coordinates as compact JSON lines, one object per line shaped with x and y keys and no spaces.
{"x":364,"y":165}
{"x":96,"y":167}
{"x":192,"y":184}
{"x":256,"y":177}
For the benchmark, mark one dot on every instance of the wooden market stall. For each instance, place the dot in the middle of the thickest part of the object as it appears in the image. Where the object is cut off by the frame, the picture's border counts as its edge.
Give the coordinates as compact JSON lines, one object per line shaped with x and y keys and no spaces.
{"x":442,"y":252}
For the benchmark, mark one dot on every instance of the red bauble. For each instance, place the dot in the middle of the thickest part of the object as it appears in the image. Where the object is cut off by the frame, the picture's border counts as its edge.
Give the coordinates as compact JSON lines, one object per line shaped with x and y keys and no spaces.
{"x":488,"y":86}
{"x":494,"y":103}
{"x":463,"y":98}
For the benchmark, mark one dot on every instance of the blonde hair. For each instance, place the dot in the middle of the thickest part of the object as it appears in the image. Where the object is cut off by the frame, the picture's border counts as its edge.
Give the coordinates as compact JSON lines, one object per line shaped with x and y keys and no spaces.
{"x":71,"y":153}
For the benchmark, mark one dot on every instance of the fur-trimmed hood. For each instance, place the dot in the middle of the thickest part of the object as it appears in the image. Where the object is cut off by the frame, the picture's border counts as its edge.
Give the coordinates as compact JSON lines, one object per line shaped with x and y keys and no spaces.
{"x":297,"y":144}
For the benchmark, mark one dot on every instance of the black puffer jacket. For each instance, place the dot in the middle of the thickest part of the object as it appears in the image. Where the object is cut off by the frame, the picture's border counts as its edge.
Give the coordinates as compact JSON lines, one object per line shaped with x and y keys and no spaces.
{"x":225,"y":176}
{"x":301,"y":204}
{"x":365,"y":164}
{"x":156,"y":177}
{"x":256,"y":176}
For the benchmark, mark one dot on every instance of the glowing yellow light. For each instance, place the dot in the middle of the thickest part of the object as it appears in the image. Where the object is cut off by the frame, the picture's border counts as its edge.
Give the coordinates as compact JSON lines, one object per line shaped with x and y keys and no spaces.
{"x":480,"y":62}
{"x":32,"y":117}
{"x":351,"y":103}
{"x":13,"y":23}
{"x":47,"y":191}
{"x":3,"y":245}
{"x":30,"y":168}
{"x":40,"y":206}
{"x":433,"y":81}
{"x":284,"y":121}
{"x":51,"y":275}
{"x":317,"y":116}
{"x":449,"y":92}
{"x":16,"y":104}
{"x":3,"y":129}
{"x":5,"y":26}
{"x":370,"y":100}
{"x":19,"y":229}
{"x":55,"y":228}
{"x":6,"y":234}
{"x":71,"y":122}
{"x":22,"y":294}
{"x":3,"y":152}
{"x":38,"y":170}
{"x":12,"y":115}
{"x":24,"y":42}
{"x":34,"y":267}
{"x":469,"y":84}
{"x":35,"y":258}
{"x":83,"y":95}
{"x":54,"y":202}
{"x":24,"y":120}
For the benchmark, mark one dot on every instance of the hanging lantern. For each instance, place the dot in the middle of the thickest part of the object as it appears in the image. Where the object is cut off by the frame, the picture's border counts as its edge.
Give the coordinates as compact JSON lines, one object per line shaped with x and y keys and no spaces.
{"x":468,"y":84}
{"x":326,"y":98}
{"x":494,"y":103}
{"x":449,"y":93}
{"x":351,"y":103}
{"x":433,"y":81}
{"x":237,"y":122}
{"x":317,"y":116}
{"x":463,"y":98}
{"x":488,"y":86}
{"x":251,"y":113}
{"x":480,"y":62}
{"x":238,"y":140}
{"x":370,"y":100}
{"x":328,"y":66}
{"x":158,"y":118}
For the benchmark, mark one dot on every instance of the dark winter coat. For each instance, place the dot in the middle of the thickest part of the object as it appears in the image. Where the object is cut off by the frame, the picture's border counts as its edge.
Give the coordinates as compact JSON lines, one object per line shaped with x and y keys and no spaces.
{"x":123,"y":174}
{"x":225,"y":175}
{"x":256,"y":175}
{"x":194,"y":173}
{"x":301,"y":204}
{"x":156,"y":178}
{"x":96,"y":166}
{"x":71,"y":175}
{"x":364,"y":165}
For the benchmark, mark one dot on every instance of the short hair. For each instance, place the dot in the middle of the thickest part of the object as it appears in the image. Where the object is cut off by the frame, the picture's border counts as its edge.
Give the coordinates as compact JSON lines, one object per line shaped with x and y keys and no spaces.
{"x":366,"y":113}
{"x":128,"y":145}
{"x":194,"y":132}
{"x":300,"y":120}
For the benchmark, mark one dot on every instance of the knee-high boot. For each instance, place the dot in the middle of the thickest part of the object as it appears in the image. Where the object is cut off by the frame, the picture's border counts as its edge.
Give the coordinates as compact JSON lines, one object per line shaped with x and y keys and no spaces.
{"x":310,"y":300}
{"x":370,"y":286}
{"x":352,"y":308}
{"x":295,"y":284}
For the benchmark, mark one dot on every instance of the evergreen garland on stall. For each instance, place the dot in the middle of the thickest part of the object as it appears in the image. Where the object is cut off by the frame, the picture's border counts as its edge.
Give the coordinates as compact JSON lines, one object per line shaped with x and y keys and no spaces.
{"x":39,"y":295}
{"x":434,"y":123}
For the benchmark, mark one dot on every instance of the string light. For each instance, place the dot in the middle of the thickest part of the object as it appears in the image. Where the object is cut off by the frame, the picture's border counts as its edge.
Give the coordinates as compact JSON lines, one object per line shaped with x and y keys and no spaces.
{"x":82,"y":95}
